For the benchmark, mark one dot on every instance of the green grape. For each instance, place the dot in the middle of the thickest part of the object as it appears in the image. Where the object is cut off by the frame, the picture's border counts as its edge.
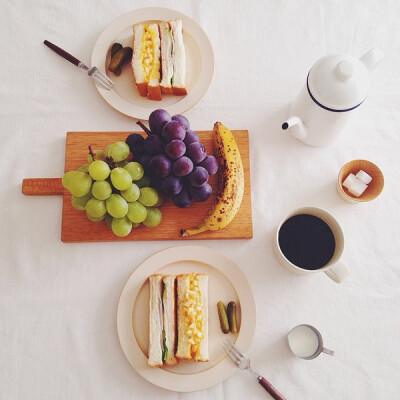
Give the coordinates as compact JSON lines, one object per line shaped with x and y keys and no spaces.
{"x":99,"y":170}
{"x":78,"y":183}
{"x":131,"y":194}
{"x":84,"y":168}
{"x":161,"y":199}
{"x":80,"y":202}
{"x":95,"y":219}
{"x":135,"y":225}
{"x":101,"y":190}
{"x":121,"y":226}
{"x":153,"y":218}
{"x":99,"y":155}
{"x":143,"y":181}
{"x":116,"y":206}
{"x":118,"y":151}
{"x":96,"y":208}
{"x":136,"y":212}
{"x":148,"y":196}
{"x":121,"y":179}
{"x":108,"y":219}
{"x":135,"y":169}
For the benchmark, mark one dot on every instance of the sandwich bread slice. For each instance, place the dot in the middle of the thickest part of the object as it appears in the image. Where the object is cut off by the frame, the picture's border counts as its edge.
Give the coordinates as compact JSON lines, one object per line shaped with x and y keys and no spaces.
{"x":146,"y":60}
{"x":155,"y":322}
{"x":167,"y":63}
{"x":179,"y":58}
{"x":192,"y":317}
{"x":169,"y":317}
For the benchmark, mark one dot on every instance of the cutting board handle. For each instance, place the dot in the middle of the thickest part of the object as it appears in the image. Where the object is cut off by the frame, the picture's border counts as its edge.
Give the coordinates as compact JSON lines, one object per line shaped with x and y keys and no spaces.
{"x":42,"y":187}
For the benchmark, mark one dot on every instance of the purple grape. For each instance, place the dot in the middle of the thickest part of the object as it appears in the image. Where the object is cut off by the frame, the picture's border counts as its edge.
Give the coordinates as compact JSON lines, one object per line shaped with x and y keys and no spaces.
{"x":135,"y":143}
{"x":144,"y":159}
{"x":182,"y":119}
{"x":210,"y":163}
{"x":155,"y":182}
{"x":154,"y":145}
{"x":157,"y":119}
{"x":183,"y":199}
{"x":191,"y":137}
{"x":182,"y":167}
{"x":173,"y":130}
{"x":198,"y":177}
{"x":196,"y":152}
{"x":160,"y":166}
{"x":171,"y":185}
{"x":175,"y":149}
{"x":201,"y":193}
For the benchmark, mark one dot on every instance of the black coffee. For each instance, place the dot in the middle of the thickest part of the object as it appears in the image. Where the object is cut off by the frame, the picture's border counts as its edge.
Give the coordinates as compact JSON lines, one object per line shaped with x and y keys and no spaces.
{"x":307,"y":241}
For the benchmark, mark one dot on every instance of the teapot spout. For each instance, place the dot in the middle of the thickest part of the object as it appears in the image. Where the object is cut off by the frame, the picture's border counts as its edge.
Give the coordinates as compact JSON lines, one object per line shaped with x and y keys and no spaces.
{"x":298,"y":131}
{"x":372,"y":58}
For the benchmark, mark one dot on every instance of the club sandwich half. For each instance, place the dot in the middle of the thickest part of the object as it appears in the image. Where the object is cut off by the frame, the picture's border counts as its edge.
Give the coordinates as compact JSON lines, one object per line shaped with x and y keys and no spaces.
{"x":162,"y":336}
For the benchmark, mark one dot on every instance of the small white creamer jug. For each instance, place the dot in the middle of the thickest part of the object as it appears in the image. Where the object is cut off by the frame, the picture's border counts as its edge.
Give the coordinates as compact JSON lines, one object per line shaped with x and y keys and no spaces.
{"x":336,"y":85}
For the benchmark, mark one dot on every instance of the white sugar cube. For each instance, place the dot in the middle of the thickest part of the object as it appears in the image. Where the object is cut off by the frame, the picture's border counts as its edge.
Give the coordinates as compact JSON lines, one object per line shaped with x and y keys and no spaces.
{"x":348,"y":182}
{"x":357,"y":188}
{"x":364,"y":177}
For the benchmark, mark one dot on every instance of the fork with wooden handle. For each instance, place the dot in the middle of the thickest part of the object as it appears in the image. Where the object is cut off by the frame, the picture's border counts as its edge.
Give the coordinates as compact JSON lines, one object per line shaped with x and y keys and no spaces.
{"x":94,"y":72}
{"x":243,"y":362}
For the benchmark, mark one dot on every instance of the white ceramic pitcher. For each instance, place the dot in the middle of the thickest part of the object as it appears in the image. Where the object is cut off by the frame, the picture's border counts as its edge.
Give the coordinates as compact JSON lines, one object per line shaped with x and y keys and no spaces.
{"x":336,"y":85}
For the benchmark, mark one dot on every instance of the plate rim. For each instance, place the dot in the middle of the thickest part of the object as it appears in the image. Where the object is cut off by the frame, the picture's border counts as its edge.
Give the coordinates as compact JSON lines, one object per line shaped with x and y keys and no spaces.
{"x":156,"y":13}
{"x":161,"y":377}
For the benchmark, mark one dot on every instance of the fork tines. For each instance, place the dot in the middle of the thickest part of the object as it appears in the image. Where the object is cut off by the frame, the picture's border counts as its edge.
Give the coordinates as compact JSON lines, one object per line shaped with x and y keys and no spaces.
{"x":102,"y":78}
{"x":235,"y":355}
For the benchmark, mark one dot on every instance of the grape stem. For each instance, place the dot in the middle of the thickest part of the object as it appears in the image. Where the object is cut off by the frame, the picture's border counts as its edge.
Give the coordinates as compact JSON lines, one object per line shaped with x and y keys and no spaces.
{"x":91,"y":152}
{"x":144,"y":127}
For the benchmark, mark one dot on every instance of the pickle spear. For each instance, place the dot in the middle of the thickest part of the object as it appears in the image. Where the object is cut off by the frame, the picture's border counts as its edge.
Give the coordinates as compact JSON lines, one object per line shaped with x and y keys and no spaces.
{"x":223,"y":317}
{"x":232,"y":317}
{"x":114,"y":49}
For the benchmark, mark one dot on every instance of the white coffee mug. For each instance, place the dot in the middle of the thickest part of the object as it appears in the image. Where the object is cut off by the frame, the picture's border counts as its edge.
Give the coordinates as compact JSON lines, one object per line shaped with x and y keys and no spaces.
{"x":336,"y":269}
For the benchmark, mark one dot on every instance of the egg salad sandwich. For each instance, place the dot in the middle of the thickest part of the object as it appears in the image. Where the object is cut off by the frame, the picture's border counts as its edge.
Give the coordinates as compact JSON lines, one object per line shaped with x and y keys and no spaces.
{"x":159,"y":59}
{"x":192,"y":317}
{"x":162,"y":326}
{"x":146,"y":60}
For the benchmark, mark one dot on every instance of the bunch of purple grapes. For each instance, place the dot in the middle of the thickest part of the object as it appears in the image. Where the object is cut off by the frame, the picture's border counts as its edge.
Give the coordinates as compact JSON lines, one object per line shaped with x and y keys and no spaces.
{"x":174,"y":159}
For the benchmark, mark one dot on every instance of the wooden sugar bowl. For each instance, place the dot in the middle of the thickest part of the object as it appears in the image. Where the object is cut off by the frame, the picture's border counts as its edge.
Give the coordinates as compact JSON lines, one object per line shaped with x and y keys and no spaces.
{"x":374,"y":188}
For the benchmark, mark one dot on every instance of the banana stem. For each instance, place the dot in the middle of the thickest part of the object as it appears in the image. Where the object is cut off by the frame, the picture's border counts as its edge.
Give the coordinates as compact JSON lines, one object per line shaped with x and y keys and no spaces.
{"x":191,"y":232}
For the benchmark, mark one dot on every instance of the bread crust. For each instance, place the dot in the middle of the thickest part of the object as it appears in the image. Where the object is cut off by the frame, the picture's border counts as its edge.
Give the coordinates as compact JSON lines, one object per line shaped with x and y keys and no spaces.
{"x":154,"y":93}
{"x":166,"y":90}
{"x":179,"y":91}
{"x":142,"y":87}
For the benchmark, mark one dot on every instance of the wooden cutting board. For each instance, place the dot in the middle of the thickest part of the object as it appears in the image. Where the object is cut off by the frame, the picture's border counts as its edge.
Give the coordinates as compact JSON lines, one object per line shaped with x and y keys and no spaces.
{"x":77,"y":228}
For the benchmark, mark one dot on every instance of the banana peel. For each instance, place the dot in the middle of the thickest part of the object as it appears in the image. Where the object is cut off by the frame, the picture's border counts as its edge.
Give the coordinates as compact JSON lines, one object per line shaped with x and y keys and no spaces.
{"x":230,"y":188}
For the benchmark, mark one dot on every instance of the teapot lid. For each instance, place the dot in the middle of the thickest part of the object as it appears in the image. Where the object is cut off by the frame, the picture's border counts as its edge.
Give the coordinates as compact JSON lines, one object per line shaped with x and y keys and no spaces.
{"x":338,"y":82}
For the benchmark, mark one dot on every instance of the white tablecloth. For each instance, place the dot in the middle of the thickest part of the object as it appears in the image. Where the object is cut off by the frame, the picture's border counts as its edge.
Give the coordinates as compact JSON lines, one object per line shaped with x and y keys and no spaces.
{"x":58,"y":301}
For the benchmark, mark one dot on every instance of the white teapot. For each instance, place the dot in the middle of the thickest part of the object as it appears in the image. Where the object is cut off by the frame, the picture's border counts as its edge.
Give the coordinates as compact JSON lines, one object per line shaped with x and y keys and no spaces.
{"x":336,"y":85}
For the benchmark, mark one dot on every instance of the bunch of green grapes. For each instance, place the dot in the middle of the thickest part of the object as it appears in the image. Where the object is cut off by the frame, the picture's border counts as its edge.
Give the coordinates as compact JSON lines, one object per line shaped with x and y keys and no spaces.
{"x":112,"y":189}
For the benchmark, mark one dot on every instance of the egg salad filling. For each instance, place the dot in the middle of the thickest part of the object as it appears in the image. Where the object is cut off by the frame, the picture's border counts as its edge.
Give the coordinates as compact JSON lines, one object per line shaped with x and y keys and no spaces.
{"x":148,"y":55}
{"x":194,"y":315}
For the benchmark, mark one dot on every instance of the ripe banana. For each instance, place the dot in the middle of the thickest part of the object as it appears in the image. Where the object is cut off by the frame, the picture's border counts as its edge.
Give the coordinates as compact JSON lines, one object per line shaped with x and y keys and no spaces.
{"x":230,"y":187}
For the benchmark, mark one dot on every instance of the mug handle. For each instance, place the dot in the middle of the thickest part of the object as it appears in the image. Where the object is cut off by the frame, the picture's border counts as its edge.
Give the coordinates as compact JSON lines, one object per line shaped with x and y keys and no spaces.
{"x":338,"y":272}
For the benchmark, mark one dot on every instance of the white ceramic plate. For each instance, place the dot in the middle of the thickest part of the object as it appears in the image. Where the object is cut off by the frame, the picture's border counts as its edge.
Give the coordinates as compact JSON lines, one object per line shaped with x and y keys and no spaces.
{"x":125,"y":97}
{"x":226,"y":283}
